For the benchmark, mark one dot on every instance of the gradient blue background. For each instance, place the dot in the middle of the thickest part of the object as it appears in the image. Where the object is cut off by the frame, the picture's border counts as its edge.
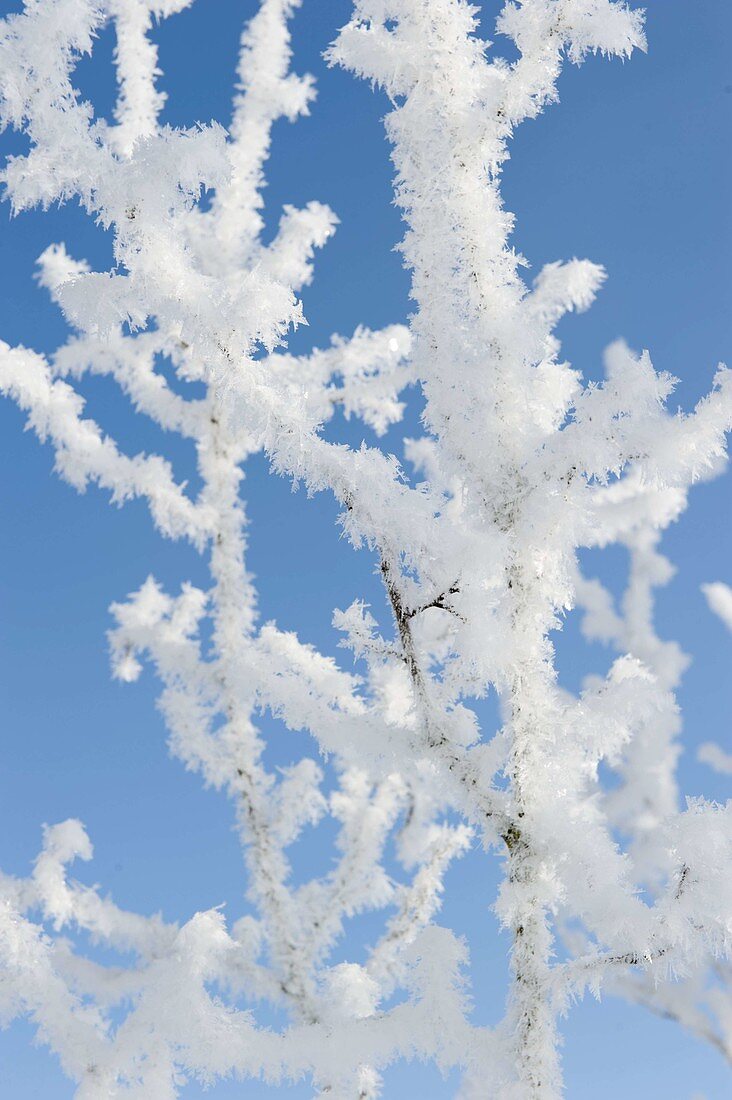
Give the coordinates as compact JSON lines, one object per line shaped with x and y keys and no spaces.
{"x":631,"y":170}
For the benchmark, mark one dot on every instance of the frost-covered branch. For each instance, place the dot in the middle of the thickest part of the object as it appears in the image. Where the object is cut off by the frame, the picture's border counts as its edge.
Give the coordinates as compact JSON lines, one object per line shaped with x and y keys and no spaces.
{"x":171,"y":299}
{"x":521,"y":449}
{"x":523,"y":465}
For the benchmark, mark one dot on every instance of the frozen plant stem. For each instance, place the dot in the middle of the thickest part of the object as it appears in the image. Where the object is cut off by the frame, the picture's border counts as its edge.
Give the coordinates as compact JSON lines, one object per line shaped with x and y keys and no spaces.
{"x":531,"y":1011}
{"x":509,"y":474}
{"x":232,"y":600}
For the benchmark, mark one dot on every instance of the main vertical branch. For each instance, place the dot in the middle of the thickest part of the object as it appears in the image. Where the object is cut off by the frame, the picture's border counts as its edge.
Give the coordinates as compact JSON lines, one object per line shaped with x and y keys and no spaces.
{"x":482,"y":347}
{"x":527,"y":894}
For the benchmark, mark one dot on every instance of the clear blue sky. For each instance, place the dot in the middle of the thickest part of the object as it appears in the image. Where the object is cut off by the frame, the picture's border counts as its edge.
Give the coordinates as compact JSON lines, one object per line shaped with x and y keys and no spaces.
{"x":632,"y":169}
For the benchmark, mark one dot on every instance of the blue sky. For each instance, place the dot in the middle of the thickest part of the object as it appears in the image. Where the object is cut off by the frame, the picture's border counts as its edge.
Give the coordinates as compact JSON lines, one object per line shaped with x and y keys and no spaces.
{"x":632,"y":170}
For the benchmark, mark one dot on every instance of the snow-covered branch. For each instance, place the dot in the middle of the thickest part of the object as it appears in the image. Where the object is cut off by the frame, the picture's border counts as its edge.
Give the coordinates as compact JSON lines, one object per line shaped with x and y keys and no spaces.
{"x":523,"y":465}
